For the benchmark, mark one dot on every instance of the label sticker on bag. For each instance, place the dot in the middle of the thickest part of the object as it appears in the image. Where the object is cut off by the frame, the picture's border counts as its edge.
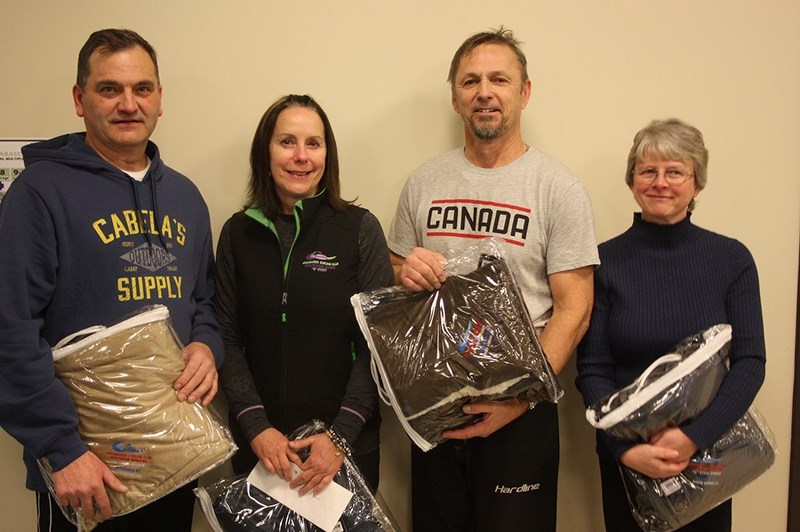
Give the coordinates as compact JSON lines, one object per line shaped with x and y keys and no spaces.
{"x":670,"y":486}
{"x":707,"y":470}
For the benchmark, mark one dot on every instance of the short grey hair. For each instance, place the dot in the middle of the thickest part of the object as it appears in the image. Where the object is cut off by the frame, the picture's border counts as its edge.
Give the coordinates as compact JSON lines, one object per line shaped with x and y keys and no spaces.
{"x":670,"y":139}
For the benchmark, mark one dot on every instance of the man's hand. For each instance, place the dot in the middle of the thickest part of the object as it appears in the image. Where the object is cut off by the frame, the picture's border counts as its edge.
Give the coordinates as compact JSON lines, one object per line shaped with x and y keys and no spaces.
{"x":421,"y":270}
{"x":272,"y":448}
{"x":199,"y":378}
{"x":496,"y":415}
{"x":82,"y":485}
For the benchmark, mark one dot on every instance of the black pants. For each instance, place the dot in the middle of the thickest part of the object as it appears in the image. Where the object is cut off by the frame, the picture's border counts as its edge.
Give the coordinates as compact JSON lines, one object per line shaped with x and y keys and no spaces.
{"x":506,"y":482}
{"x":172,"y":513}
{"x":617,"y":511}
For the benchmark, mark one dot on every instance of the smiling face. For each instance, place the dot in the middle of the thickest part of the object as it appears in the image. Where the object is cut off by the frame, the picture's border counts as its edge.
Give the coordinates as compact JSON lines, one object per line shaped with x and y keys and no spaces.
{"x":120,"y":105}
{"x":489,"y":93}
{"x":662,"y":202}
{"x":297,"y":155}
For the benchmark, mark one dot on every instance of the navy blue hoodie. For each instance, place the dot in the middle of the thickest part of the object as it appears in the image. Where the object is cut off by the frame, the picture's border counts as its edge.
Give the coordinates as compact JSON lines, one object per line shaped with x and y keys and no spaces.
{"x":81,"y":244}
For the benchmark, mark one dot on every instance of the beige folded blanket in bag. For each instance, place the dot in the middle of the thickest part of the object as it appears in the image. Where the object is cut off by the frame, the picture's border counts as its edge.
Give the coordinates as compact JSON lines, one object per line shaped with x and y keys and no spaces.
{"x":120,"y":379}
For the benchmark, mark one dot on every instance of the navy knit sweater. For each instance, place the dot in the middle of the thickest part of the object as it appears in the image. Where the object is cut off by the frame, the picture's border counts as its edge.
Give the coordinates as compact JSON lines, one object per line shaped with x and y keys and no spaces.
{"x":658,"y":284}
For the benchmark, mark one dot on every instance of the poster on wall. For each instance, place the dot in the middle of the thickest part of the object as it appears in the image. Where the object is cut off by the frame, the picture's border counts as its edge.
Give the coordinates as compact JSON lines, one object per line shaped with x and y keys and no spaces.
{"x":11,"y":161}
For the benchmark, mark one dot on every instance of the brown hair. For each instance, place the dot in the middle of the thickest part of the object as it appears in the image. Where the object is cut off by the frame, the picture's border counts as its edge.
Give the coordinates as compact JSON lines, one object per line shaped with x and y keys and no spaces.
{"x":261,"y":191}
{"x":500,"y":35}
{"x":107,"y":42}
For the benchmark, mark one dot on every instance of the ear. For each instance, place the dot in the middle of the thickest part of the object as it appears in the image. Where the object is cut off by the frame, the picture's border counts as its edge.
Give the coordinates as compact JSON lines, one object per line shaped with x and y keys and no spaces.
{"x":526,"y":93}
{"x":77,"y":97}
{"x":160,"y":96}
{"x":453,"y":102}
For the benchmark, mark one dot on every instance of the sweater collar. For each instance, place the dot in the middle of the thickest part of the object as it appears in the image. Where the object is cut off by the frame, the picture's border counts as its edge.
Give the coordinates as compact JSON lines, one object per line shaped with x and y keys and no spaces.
{"x":669,"y":235}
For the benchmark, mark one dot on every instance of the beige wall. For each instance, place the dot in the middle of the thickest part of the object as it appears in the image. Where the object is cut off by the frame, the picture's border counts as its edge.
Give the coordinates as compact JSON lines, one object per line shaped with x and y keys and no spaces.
{"x":600,"y":72}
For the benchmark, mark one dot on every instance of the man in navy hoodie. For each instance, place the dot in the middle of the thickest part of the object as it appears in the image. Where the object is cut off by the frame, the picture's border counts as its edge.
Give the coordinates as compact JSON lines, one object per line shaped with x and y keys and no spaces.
{"x":95,"y":228}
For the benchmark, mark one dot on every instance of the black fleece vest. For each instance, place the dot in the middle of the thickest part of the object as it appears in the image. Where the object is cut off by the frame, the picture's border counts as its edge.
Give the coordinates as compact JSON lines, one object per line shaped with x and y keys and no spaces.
{"x":299,"y":329}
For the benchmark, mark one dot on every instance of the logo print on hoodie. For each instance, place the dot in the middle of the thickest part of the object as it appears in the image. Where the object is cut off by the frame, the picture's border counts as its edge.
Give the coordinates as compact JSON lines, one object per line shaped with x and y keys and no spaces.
{"x":152,"y":259}
{"x":320,"y":262}
{"x":149,"y":287}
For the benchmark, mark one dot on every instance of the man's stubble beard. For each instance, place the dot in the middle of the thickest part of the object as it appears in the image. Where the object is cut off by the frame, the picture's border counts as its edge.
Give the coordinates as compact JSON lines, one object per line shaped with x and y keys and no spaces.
{"x":484,"y":130}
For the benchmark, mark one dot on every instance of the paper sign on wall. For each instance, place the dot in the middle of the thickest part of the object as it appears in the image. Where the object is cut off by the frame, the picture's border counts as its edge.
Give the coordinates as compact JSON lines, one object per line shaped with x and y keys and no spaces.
{"x":11,"y":164}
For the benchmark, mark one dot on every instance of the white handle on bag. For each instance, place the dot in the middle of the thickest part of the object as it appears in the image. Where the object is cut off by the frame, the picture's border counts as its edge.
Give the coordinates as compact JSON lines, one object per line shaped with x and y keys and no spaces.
{"x":88,"y":330}
{"x":671,"y":357}
{"x":714,"y":339}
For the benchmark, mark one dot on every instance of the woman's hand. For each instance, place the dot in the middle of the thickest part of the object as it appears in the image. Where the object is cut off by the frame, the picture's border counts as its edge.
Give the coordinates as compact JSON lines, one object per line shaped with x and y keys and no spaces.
{"x":272,"y":448}
{"x":675,"y":439}
{"x":653,"y":461}
{"x":667,"y":454}
{"x":321,"y":465}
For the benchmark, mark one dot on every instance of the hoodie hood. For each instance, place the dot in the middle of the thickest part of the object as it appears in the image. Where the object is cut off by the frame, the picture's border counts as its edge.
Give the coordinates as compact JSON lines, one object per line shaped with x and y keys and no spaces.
{"x":71,"y":150}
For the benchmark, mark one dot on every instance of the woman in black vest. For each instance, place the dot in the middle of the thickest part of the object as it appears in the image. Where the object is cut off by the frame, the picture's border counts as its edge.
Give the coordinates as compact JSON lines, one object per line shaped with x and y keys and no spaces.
{"x":287,"y":265}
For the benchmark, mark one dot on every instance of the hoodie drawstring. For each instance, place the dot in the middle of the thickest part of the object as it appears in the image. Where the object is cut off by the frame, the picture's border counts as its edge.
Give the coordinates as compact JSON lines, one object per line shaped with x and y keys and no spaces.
{"x":132,"y":181}
{"x":155,"y":212}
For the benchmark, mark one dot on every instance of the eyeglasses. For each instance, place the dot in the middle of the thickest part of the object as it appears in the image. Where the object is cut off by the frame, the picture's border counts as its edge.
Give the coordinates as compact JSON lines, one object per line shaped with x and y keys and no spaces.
{"x":673,"y":176}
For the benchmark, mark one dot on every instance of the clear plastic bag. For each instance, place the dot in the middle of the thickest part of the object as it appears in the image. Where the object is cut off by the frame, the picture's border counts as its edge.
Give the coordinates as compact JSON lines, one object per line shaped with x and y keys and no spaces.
{"x":234,"y":505}
{"x":672,"y":391}
{"x":713,"y":476}
{"x":434,"y":352}
{"x":120,"y":380}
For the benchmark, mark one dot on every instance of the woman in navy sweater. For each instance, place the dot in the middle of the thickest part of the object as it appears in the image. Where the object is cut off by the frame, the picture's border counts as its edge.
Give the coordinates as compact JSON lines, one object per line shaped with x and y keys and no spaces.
{"x":660,"y":281}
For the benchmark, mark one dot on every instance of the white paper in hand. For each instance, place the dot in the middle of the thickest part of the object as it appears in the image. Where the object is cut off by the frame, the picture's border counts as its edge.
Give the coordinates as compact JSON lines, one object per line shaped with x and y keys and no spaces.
{"x":324,"y":510}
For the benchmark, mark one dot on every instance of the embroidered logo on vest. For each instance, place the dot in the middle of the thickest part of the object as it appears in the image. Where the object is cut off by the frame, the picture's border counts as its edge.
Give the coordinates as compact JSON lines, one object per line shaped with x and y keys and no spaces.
{"x":320,"y":262}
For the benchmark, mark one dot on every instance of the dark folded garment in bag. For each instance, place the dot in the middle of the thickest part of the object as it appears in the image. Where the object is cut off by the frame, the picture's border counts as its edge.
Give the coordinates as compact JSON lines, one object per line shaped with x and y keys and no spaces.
{"x":235,"y":505}
{"x":672,"y":391}
{"x":241,"y":507}
{"x":713,"y":476}
{"x":437,"y":351}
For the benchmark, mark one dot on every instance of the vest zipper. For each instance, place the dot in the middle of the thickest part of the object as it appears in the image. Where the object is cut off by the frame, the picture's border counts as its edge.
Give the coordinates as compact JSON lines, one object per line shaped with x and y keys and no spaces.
{"x":285,"y":337}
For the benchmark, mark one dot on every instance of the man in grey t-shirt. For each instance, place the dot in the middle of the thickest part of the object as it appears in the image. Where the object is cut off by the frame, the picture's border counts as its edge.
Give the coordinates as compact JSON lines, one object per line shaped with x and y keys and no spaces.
{"x":502,"y":472}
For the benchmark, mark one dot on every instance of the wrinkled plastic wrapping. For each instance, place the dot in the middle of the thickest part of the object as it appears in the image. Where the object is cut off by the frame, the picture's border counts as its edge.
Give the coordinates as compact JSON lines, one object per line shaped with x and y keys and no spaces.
{"x":120,"y":379}
{"x":434,"y":352}
{"x":713,"y":476}
{"x":234,"y":505}
{"x":671,"y":392}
